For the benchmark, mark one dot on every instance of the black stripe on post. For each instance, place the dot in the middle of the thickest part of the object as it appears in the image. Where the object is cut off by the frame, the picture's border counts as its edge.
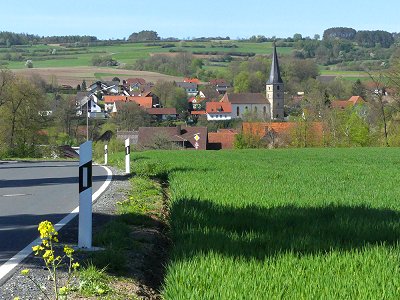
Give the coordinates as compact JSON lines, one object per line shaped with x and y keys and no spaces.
{"x":105,"y":151}
{"x":127,"y":150}
{"x":88,"y":166}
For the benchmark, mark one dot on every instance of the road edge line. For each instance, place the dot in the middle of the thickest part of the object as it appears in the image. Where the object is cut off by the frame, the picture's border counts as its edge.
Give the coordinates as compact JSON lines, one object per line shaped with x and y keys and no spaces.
{"x":14,"y":261}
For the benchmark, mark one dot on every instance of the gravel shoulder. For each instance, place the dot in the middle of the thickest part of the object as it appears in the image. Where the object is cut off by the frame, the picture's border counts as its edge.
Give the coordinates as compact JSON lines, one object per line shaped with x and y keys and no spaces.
{"x":147,"y":269}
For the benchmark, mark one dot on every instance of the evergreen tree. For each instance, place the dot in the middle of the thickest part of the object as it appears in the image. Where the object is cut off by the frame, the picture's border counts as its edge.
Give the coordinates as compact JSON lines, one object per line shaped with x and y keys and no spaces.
{"x":358,"y":89}
{"x":83,"y":86}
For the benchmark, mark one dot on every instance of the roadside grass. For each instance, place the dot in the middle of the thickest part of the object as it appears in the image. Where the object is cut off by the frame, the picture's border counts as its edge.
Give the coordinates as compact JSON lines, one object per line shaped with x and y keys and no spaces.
{"x":112,"y":266}
{"x":287,"y":224}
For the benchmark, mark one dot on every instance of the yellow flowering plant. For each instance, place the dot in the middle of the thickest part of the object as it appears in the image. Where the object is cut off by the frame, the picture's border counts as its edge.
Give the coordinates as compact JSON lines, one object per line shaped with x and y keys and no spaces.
{"x":49,"y":236}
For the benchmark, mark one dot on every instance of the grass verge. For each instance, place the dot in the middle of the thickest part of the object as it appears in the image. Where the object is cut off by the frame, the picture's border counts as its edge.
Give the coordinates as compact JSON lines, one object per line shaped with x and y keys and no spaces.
{"x":129,"y":240}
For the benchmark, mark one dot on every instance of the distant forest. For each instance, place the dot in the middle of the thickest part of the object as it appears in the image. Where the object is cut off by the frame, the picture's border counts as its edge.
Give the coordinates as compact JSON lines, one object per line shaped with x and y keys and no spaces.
{"x":9,"y":39}
{"x":364,"y":38}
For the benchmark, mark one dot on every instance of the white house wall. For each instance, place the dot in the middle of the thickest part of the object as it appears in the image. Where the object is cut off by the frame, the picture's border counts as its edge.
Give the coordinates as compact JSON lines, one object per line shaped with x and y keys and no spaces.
{"x":219,"y":117}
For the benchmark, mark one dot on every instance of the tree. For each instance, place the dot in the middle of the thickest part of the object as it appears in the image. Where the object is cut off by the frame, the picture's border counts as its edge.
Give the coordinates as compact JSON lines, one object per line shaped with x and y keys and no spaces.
{"x":339,"y":32}
{"x":21,"y":118}
{"x":130,"y":117}
{"x":242,"y":82}
{"x":83,"y":85}
{"x":297,"y":37}
{"x":64,"y":114}
{"x":171,"y":96}
{"x":358,"y":89}
{"x":377,"y":96}
{"x":6,"y":79}
{"x":143,"y":36}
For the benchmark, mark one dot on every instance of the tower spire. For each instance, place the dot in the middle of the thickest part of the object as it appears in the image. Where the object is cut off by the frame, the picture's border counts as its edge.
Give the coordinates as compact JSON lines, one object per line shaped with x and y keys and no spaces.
{"x":275,"y":74}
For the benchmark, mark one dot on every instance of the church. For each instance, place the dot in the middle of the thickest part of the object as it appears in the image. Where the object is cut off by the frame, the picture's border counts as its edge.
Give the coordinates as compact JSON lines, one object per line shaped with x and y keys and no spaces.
{"x":269,"y":106}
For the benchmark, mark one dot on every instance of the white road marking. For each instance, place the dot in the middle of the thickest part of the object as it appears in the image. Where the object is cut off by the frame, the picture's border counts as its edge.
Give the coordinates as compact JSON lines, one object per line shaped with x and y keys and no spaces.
{"x":13,"y":262}
{"x":14,"y":195}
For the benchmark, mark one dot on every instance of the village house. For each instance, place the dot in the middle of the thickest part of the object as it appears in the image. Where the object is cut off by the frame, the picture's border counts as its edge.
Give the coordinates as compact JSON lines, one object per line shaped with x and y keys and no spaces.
{"x":110,"y":101}
{"x":105,"y":87}
{"x":189,"y":87}
{"x":343,"y":104}
{"x":88,"y":104}
{"x":162,"y":114}
{"x":218,"y":111}
{"x":220,"y":85}
{"x":180,"y":137}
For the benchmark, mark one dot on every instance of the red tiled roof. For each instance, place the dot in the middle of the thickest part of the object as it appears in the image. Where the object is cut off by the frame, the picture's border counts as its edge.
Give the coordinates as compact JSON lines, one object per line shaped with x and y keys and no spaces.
{"x":342,"y":104}
{"x":221,"y":140}
{"x":356,"y":100}
{"x":218,"y":82}
{"x":191,"y":80}
{"x":146,"y":102}
{"x":162,"y":111}
{"x":112,"y":99}
{"x":131,"y":81}
{"x":218,"y":107}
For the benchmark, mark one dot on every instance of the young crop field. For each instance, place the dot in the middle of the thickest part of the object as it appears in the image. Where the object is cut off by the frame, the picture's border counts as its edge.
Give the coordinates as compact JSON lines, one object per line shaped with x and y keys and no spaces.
{"x":281,"y":224}
{"x":45,"y":56}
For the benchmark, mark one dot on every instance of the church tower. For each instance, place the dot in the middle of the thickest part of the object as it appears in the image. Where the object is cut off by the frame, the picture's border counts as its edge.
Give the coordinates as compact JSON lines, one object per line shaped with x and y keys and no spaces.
{"x":274,"y":89}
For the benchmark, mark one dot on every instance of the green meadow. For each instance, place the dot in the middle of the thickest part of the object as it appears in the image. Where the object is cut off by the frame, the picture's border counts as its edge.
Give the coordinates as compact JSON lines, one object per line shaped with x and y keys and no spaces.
{"x":280,"y":224}
{"x":126,"y":53}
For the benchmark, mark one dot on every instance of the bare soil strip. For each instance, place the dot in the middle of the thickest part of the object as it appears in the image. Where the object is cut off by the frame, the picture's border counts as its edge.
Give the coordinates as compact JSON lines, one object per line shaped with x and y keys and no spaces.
{"x":75,"y":75}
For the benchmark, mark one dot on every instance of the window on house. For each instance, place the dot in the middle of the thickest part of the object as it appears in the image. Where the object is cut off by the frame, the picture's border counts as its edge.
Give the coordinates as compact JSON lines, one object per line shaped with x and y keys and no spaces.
{"x":277,"y":87}
{"x":237,"y":111}
{"x":265,"y":110}
{"x":255,"y":109}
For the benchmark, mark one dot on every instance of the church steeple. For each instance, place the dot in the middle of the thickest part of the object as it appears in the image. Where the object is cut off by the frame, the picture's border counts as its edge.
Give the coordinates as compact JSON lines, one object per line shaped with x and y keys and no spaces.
{"x":275,"y":74}
{"x":274,"y":89}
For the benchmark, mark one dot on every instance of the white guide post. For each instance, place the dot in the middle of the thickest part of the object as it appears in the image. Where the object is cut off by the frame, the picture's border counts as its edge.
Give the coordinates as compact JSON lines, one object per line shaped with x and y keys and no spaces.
{"x":85,"y":195}
{"x":105,"y":154}
{"x":127,"y":157}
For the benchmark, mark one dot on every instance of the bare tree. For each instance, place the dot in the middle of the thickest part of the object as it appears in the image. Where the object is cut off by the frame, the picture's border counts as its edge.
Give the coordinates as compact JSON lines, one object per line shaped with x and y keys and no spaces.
{"x":6,"y":78}
{"x":377,"y":94}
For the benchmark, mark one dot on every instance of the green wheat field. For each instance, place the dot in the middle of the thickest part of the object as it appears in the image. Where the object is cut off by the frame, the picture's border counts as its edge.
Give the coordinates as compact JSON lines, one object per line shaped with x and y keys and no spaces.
{"x":281,"y":224}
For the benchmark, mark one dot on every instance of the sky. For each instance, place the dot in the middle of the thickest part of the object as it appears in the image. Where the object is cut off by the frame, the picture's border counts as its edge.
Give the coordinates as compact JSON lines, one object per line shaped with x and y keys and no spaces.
{"x":188,"y":19}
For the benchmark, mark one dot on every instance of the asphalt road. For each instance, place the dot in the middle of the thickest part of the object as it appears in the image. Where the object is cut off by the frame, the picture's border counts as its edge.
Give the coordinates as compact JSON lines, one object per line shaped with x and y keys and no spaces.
{"x":31,"y":192}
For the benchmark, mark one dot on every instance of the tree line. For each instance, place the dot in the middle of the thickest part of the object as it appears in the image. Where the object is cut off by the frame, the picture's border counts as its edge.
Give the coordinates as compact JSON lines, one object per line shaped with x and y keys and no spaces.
{"x":16,"y":39}
{"x":365,"y":38}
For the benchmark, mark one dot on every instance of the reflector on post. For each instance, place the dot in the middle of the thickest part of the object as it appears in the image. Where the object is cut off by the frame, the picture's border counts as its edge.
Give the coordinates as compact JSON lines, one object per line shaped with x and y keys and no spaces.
{"x":127,"y":157}
{"x":105,"y":154}
{"x":85,"y":195}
